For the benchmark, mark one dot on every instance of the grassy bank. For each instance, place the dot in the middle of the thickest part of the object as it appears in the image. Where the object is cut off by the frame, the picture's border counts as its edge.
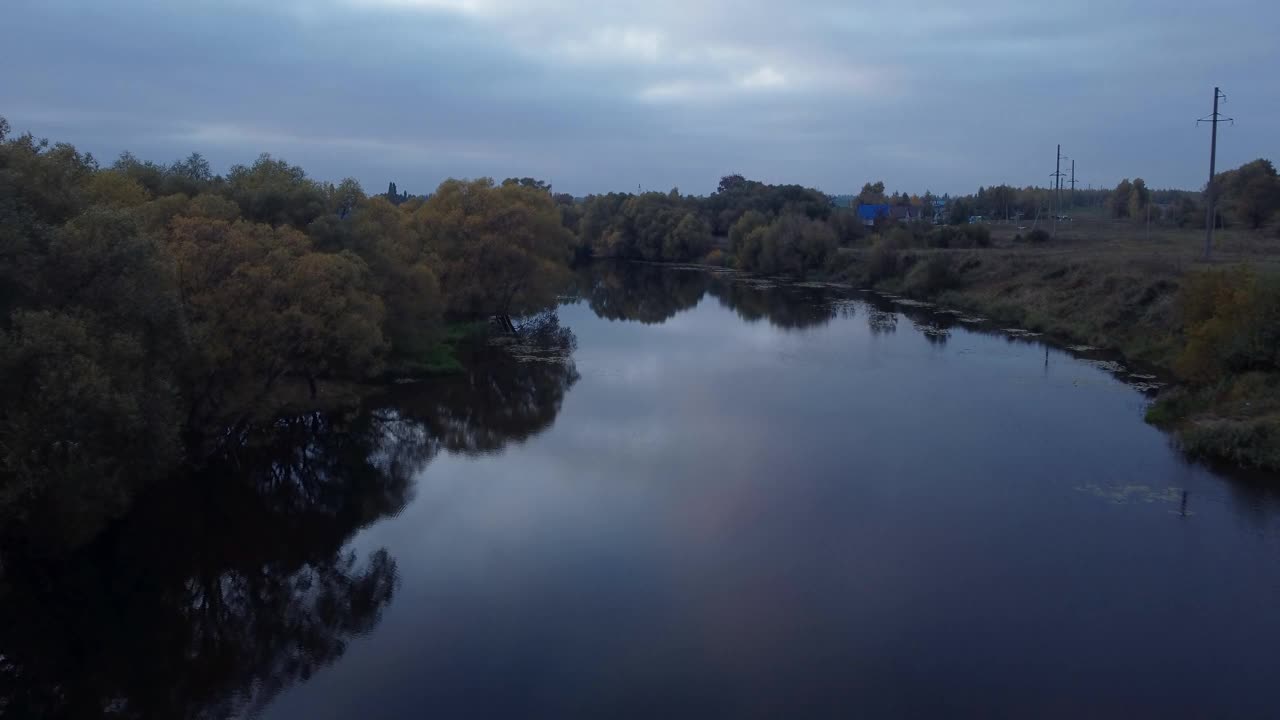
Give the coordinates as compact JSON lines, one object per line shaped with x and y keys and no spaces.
{"x":1146,"y":296}
{"x":442,"y":358}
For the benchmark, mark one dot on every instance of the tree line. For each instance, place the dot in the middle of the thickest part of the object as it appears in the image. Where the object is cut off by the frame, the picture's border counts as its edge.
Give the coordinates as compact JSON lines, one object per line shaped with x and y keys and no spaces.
{"x":145,"y":307}
{"x":1248,"y":196}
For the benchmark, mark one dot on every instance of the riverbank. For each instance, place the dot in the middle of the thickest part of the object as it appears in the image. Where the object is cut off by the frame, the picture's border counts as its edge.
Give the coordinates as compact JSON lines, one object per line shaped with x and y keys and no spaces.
{"x":1125,"y":296}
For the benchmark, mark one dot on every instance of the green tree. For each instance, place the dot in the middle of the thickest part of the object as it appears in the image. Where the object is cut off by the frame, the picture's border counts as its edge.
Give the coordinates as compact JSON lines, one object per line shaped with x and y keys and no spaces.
{"x":872,"y":193}
{"x":346,"y":197}
{"x":741,"y":229}
{"x":83,"y":424}
{"x":690,"y":240}
{"x":1120,"y":199}
{"x":110,"y":187}
{"x":275,"y":192}
{"x":1251,"y":192}
{"x":1139,"y":199}
{"x":387,"y":239}
{"x":792,"y":245}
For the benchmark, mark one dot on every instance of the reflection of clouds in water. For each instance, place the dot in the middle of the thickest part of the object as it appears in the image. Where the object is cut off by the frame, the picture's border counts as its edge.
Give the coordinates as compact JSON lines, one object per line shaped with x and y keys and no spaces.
{"x":635,"y":439}
{"x":1134,"y":494}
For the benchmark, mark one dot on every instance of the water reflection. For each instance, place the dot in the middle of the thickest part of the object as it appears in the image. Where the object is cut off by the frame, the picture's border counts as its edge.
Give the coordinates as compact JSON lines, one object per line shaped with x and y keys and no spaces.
{"x":638,"y":292}
{"x":226,"y":585}
{"x":652,"y":294}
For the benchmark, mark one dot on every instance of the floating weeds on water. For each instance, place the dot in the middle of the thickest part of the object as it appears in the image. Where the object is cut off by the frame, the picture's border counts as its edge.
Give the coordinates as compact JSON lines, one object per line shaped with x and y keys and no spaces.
{"x":1110,"y":365}
{"x":972,"y":320}
{"x":1081,"y":348}
{"x":1147,"y":386}
{"x":534,"y":353}
{"x":932,"y":330}
{"x":1020,"y":333}
{"x":1140,"y":376}
{"x":912,"y":303}
{"x":1129,"y":494}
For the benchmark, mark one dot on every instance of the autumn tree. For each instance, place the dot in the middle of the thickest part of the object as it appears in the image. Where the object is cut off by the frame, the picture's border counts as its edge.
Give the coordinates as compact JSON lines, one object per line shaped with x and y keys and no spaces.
{"x":260,"y":303}
{"x":395,"y":249}
{"x":502,"y":251}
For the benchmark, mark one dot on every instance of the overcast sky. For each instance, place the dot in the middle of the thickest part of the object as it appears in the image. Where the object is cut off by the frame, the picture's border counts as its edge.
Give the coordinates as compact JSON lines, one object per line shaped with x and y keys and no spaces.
{"x":603,"y":95}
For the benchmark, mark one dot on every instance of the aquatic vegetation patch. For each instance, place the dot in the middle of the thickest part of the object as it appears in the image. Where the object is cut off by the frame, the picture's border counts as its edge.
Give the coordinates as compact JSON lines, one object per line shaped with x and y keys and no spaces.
{"x":1134,"y":494}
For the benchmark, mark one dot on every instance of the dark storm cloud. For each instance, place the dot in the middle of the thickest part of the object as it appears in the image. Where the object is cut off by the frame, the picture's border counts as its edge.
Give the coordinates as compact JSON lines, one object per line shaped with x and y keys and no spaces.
{"x":600,"y":96}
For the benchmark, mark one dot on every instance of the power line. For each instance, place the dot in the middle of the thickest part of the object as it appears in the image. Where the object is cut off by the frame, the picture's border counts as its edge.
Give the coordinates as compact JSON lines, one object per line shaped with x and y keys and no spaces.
{"x":1210,"y":216}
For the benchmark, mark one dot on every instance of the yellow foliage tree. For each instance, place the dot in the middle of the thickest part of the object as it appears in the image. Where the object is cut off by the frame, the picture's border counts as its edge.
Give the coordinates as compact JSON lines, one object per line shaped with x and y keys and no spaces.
{"x":501,"y":251}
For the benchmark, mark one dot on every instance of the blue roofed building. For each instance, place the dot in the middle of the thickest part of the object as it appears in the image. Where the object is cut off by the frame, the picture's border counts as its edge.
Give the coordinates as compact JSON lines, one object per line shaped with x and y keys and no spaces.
{"x":868,"y":214}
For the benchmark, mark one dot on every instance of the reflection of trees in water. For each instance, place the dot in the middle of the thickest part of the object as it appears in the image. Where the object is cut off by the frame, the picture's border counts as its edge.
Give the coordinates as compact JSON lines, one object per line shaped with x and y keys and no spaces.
{"x":216,"y":590}
{"x":224,"y":586}
{"x":788,"y":307}
{"x":654,"y":294}
{"x":497,"y":400}
{"x":640,"y":292}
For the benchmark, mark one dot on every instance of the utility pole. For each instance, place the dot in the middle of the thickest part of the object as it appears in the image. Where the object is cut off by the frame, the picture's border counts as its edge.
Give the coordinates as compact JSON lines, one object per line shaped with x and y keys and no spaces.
{"x":1057,"y":190}
{"x":1210,"y":199}
{"x":1073,"y":187}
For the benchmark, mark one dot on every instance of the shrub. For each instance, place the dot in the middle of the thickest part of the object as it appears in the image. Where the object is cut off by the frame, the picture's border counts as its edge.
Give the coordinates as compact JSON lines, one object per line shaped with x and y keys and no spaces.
{"x":716,"y":257}
{"x":959,"y":236}
{"x":942,"y":237}
{"x":1231,"y":320}
{"x":933,"y":275}
{"x":976,"y":236}
{"x":791,"y":244}
{"x":1253,"y":442}
{"x":883,"y":260}
{"x":847,"y":226}
{"x":1036,"y":236}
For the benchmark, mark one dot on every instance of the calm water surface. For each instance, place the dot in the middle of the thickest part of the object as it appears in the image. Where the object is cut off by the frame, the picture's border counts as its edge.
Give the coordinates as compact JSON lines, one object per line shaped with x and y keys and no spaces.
{"x":738,"y":499}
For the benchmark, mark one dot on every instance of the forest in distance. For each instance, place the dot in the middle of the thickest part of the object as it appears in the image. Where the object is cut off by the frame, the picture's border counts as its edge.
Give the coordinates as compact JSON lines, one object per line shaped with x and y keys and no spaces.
{"x":149,"y":311}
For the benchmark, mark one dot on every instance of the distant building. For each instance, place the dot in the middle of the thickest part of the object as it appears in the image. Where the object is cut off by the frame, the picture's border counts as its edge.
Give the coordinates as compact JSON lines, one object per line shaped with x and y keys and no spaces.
{"x":868,"y":214}
{"x":905,"y":213}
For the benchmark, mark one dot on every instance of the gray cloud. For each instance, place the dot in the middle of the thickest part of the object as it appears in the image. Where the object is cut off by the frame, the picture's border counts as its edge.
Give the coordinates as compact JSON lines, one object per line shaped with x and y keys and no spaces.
{"x":602,"y":96}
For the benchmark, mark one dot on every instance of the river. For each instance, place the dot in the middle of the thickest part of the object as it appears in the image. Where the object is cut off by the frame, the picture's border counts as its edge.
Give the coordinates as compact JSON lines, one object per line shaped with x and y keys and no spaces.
{"x":736,"y":498}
